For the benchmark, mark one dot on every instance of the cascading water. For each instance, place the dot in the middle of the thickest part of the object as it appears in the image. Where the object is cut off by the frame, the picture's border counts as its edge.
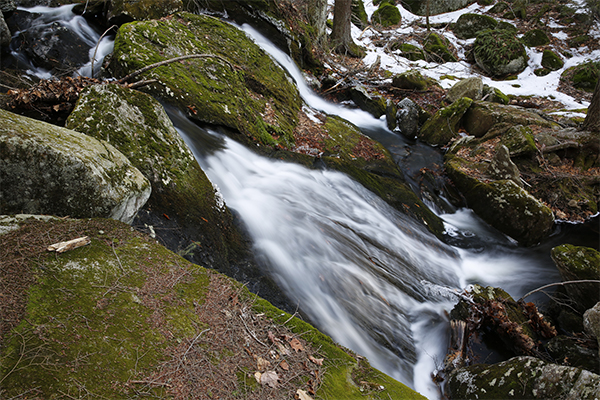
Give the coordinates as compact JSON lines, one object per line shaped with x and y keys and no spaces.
{"x":372,"y":278}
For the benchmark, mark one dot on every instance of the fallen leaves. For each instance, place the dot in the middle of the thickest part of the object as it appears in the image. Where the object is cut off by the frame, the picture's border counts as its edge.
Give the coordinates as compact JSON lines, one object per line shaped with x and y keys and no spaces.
{"x":302,"y":395}
{"x":269,"y":378}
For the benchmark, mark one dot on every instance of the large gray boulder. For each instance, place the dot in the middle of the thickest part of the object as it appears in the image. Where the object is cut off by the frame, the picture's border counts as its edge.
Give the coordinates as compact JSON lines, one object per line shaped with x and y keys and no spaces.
{"x":591,"y":323}
{"x":407,"y":118}
{"x":469,"y":87}
{"x":523,"y":378}
{"x":45,"y":169}
{"x":579,"y":263}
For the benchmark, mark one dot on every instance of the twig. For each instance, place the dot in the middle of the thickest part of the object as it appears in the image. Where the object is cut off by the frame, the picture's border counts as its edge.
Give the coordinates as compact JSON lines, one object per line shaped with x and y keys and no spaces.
{"x":194,"y":341}
{"x":169,"y":61}
{"x":97,"y":44}
{"x":118,"y":260}
{"x":151,"y":383}
{"x":559,"y":284}
{"x":251,"y":333}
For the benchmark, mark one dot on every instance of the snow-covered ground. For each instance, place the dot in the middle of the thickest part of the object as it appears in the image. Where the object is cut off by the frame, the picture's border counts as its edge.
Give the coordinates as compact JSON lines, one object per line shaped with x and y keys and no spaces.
{"x":526,"y":84}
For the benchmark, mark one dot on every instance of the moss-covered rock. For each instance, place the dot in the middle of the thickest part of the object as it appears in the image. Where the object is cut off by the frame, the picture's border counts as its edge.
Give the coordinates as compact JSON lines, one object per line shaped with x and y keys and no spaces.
{"x":502,"y":204}
{"x":468,"y":25}
{"x":535,"y":38}
{"x":566,"y":348}
{"x":506,"y":26}
{"x":138,"y":126}
{"x":499,"y":53}
{"x":412,"y":79}
{"x":52,"y":170}
{"x":591,"y":323}
{"x":409,"y":51}
{"x":579,"y":263}
{"x":552,"y":61}
{"x":420,"y":7}
{"x":583,"y":76}
{"x":108,"y":318}
{"x":469,"y":87}
{"x":373,"y":104}
{"x":437,"y":49}
{"x":359,"y":15}
{"x":519,"y":141}
{"x":494,"y":95}
{"x":482,"y":116}
{"x":444,"y":125}
{"x":235,"y":84}
{"x":499,"y":7}
{"x":523,"y":378}
{"x":122,"y":11}
{"x":386,"y":15}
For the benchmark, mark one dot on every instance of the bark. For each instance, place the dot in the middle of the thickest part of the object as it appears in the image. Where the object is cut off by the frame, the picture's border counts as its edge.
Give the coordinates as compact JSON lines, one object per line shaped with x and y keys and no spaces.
{"x":341,"y":38}
{"x":592,"y":119}
{"x":317,"y":14}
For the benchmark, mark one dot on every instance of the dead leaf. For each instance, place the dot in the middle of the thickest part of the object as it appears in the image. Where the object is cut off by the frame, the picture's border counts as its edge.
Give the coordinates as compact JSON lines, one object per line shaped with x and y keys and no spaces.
{"x":257,"y":376}
{"x":272,"y":337}
{"x":302,"y":395}
{"x":269,"y":378}
{"x":282,"y":349}
{"x":296,"y":345}
{"x":318,"y":361}
{"x":284,"y":365}
{"x":262,"y":364}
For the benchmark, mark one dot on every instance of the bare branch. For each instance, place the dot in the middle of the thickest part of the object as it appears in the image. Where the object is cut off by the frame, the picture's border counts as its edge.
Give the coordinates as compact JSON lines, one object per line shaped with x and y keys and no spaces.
{"x":559,"y":284}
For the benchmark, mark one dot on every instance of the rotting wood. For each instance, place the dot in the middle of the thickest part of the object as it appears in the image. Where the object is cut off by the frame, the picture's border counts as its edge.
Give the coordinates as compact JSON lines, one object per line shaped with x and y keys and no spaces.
{"x":61,"y":247}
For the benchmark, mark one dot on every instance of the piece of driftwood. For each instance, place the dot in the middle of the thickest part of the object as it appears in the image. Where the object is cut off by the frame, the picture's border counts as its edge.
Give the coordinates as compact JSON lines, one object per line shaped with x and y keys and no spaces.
{"x":61,"y":247}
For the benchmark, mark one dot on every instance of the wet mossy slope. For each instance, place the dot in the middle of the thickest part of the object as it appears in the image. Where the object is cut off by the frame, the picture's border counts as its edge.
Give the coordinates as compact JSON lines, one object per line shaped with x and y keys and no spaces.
{"x":100,"y":319}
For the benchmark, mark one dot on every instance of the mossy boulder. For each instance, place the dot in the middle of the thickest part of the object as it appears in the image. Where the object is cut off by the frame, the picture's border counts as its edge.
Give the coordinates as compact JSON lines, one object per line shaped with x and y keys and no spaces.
{"x":506,"y":26}
{"x":583,"y":76}
{"x":494,"y":95}
{"x":52,"y":170}
{"x":386,"y":15}
{"x":444,"y":125}
{"x":469,"y":87}
{"x":235,"y":84}
{"x":138,"y":126}
{"x":122,"y":11}
{"x":371,"y":103}
{"x":552,"y":61}
{"x":523,"y":378}
{"x":568,"y":348}
{"x":535,"y":38}
{"x":468,"y":25}
{"x":591,"y":323}
{"x":519,"y":141}
{"x":501,"y":203}
{"x":438,"y":49}
{"x":112,"y":317}
{"x":409,"y":51}
{"x":499,"y":7}
{"x":359,"y":15}
{"x":419,"y":7}
{"x":412,"y":79}
{"x":579,"y":263}
{"x":499,"y":53}
{"x":482,"y":116}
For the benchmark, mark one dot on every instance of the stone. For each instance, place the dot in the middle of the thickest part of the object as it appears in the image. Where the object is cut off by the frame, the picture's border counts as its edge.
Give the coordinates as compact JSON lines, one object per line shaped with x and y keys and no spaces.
{"x":386,"y":15}
{"x":583,"y":76}
{"x":412,"y":79}
{"x":519,"y":141}
{"x":45,"y":169}
{"x":535,"y":38}
{"x":7,"y":6}
{"x":419,"y":7}
{"x":390,"y":114}
{"x":591,"y":323}
{"x":359,"y":15}
{"x":469,"y":87}
{"x":373,"y":104}
{"x":410,"y":51}
{"x":123,"y":11}
{"x":502,"y":167}
{"x":5,"y":34}
{"x":407,"y":118}
{"x":443,"y":126}
{"x":579,"y":263}
{"x":468,"y":25}
{"x":552,"y":61}
{"x":437,"y":49}
{"x":494,"y":95}
{"x":523,"y":378}
{"x":566,"y":349}
{"x":499,"y":53}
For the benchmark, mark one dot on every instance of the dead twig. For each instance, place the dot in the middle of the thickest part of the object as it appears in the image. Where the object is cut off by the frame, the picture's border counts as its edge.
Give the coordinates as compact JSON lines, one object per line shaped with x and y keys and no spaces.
{"x":540,"y":289}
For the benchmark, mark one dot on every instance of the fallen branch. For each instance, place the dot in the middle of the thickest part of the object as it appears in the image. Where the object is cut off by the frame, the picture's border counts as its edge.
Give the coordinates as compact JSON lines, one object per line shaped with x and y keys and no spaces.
{"x":540,"y":289}
{"x":169,"y":61}
{"x":61,"y":247}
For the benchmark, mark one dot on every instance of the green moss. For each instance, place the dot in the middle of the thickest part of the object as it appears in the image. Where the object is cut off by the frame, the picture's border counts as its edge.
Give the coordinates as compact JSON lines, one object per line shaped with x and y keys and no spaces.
{"x":519,"y":141}
{"x":144,"y":9}
{"x":443,"y":126}
{"x":234,"y":85}
{"x":437,"y":49}
{"x":469,"y":24}
{"x":506,"y":26}
{"x":412,"y":79}
{"x":386,"y":15}
{"x":535,"y":38}
{"x":586,"y":75}
{"x":497,"y":50}
{"x":552,"y":61}
{"x":359,"y":15}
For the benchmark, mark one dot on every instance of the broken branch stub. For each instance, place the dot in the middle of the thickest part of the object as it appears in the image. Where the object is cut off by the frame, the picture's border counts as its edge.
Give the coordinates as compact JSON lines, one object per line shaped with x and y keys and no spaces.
{"x":61,"y":247}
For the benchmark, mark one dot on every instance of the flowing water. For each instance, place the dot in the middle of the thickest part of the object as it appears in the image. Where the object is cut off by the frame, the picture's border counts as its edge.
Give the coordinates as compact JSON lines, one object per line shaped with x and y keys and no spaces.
{"x":372,"y":278}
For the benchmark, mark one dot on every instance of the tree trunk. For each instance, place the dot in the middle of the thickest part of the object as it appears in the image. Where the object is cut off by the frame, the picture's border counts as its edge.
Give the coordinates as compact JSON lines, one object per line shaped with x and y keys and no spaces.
{"x":317,"y":14}
{"x":592,"y":119}
{"x":341,"y":38}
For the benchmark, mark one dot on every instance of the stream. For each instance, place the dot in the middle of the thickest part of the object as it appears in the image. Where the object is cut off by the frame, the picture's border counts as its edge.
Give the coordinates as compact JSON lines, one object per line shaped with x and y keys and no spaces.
{"x":372,"y":278}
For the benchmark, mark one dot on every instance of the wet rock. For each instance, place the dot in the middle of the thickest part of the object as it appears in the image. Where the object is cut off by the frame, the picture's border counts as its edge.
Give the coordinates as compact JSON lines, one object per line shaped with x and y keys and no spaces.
{"x":444,"y":125}
{"x":390,"y":114}
{"x":123,"y":11}
{"x":469,"y":87}
{"x":138,"y":126}
{"x":373,"y":104}
{"x":502,"y":167}
{"x":591,"y":323}
{"x":407,"y":118}
{"x":502,"y":203}
{"x":46,"y":169}
{"x":499,"y":53}
{"x":468,"y":25}
{"x":579,"y":263}
{"x":523,"y":377}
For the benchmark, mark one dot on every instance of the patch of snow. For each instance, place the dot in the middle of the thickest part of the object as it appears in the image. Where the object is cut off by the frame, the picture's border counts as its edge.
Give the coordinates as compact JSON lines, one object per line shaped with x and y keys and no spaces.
{"x":560,"y":35}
